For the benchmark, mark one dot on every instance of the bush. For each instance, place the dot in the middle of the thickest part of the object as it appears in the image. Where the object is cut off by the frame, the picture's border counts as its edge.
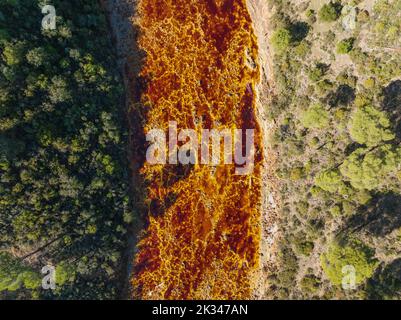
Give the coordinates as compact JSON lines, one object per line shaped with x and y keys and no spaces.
{"x":317,"y":72}
{"x":363,"y":16}
{"x":281,"y":39}
{"x":311,"y":15}
{"x":289,"y":269}
{"x":324,"y":86}
{"x":335,"y":211}
{"x":310,"y":283}
{"x":296,"y":174}
{"x":369,"y":83}
{"x":348,"y":208}
{"x":315,"y":117}
{"x":13,"y":53}
{"x":363,"y":197}
{"x":330,"y":12}
{"x":345,"y":46}
{"x":37,"y":56}
{"x":304,"y":247}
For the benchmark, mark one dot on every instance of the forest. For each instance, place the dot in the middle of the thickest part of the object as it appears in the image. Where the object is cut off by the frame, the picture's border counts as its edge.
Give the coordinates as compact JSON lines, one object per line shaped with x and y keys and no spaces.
{"x":64,"y":181}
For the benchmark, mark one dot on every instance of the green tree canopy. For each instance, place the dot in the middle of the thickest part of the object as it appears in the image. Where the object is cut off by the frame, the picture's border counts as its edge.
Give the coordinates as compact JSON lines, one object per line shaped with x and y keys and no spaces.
{"x":64,"y":273}
{"x":13,"y":53}
{"x":281,"y":39}
{"x":14,"y":275}
{"x":367,"y":170}
{"x":329,"y":181}
{"x":354,"y":254}
{"x":370,"y":126}
{"x":315,"y":117}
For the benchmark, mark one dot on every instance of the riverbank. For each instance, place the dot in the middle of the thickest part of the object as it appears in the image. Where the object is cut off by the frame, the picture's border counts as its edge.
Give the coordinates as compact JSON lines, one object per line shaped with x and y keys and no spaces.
{"x":260,"y":15}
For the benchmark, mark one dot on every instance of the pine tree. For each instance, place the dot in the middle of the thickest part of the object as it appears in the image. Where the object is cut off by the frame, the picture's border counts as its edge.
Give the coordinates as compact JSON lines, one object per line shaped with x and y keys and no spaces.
{"x":370,"y":126}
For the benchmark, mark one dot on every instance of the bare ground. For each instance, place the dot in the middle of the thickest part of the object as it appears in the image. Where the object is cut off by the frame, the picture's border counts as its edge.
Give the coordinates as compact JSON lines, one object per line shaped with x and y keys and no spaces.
{"x":260,"y":15}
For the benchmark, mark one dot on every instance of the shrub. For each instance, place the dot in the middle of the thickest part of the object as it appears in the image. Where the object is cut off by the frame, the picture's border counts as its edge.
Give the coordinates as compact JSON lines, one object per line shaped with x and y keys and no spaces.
{"x":302,"y":49}
{"x":330,"y":12}
{"x":348,"y":208}
{"x":64,"y":273}
{"x":289,"y":269}
{"x":363,"y":16}
{"x":58,"y":90}
{"x":314,"y":141}
{"x":58,"y":153}
{"x":304,"y":247}
{"x":37,"y":56}
{"x":298,"y":30}
{"x":310,"y":283}
{"x":317,"y":72}
{"x":296,"y":173}
{"x":315,"y":117}
{"x":281,"y":39}
{"x":335,"y":211}
{"x":345,"y":46}
{"x":361,"y":101}
{"x":369,"y":83}
{"x":13,"y":53}
{"x":324,"y":86}
{"x":363,"y":197}
{"x":311,"y":15}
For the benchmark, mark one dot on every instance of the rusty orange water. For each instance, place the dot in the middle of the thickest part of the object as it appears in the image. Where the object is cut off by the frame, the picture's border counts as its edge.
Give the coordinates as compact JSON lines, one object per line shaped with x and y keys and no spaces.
{"x":202,"y":237}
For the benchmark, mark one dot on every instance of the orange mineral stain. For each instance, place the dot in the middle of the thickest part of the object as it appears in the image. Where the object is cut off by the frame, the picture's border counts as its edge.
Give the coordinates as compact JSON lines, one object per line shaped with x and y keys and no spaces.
{"x":203,"y":229}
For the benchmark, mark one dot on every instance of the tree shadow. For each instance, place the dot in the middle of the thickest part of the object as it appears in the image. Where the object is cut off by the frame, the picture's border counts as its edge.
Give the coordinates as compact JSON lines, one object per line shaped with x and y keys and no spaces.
{"x":392,"y":104}
{"x":351,"y":148}
{"x":386,"y":282}
{"x":343,"y":96}
{"x":380,"y":219}
{"x":131,"y":58}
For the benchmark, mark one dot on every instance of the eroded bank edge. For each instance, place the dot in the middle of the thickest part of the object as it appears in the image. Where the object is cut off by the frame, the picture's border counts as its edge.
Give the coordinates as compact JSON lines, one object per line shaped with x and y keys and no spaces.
{"x":269,"y":207}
